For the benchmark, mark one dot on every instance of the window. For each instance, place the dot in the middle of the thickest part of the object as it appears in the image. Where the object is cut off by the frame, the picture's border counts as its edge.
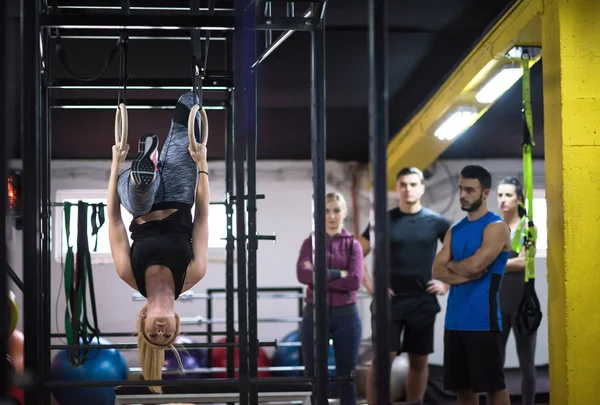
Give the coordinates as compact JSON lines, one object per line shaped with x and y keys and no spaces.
{"x":217,"y":223}
{"x":540,"y":219}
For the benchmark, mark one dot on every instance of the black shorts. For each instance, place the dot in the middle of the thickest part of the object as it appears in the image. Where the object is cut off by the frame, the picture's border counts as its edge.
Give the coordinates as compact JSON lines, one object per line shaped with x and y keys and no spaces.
{"x":473,"y":361}
{"x":416,"y":340}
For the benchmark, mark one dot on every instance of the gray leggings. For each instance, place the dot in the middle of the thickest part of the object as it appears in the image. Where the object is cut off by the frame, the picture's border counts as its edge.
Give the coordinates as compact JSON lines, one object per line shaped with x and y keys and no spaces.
{"x":511,"y":294}
{"x":176,"y":178}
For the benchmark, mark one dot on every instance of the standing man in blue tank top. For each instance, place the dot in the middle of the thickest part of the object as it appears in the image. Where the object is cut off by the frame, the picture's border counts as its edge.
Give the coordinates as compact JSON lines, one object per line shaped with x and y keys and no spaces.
{"x":472,"y":261}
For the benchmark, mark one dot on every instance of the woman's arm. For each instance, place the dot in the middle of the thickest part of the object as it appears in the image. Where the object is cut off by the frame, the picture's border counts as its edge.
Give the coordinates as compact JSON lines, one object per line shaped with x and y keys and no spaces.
{"x":304,"y":267}
{"x":351,"y":281}
{"x":200,"y":227}
{"x":117,"y":233}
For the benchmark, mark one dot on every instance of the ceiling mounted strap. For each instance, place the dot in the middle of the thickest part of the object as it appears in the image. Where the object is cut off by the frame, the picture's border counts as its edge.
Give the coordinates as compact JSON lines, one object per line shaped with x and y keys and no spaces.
{"x":197,"y":56}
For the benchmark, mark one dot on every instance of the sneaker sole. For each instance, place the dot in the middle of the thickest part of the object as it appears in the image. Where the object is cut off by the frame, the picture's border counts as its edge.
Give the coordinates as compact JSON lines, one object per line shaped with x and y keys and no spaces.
{"x":143,"y":168}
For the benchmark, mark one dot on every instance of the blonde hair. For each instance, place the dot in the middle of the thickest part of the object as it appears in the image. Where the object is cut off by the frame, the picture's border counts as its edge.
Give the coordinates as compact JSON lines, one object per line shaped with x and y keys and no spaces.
{"x":152,"y":356}
{"x":335,"y":196}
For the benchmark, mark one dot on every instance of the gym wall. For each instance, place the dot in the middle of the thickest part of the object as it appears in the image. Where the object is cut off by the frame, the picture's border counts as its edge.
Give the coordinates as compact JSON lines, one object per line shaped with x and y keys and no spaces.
{"x":286,"y":211}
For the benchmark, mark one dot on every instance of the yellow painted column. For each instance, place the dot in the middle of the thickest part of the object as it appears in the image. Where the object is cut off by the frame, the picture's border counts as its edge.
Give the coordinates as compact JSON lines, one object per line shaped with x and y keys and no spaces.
{"x":571,"y":66}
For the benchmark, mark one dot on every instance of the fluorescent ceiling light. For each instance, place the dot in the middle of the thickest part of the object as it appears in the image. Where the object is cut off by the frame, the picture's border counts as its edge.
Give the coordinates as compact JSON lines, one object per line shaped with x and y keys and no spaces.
{"x":455,"y":124}
{"x":498,"y":85}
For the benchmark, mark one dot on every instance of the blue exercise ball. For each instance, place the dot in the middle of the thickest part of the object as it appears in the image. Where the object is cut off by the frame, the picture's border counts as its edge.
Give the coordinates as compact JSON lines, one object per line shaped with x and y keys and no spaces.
{"x":290,"y":356}
{"x":103,"y":364}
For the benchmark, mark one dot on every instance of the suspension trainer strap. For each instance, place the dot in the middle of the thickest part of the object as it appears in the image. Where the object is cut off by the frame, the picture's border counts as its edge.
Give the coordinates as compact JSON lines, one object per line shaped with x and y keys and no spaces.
{"x":62,"y":58}
{"x":123,"y":47}
{"x":530,"y":314}
{"x":197,"y":56}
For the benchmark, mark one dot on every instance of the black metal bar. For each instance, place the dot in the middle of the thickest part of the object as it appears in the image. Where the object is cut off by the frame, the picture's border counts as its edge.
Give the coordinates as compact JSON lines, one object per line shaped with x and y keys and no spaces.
{"x":134,"y":334}
{"x":31,"y":151}
{"x":209,"y":315}
{"x":45,"y":179}
{"x":5,"y":101}
{"x":321,"y":323}
{"x":213,"y":81}
{"x":131,"y":346}
{"x":289,"y":23}
{"x":132,"y":104}
{"x":240,"y":80}
{"x":230,"y":247}
{"x":272,"y":46}
{"x":111,"y":20}
{"x":204,"y":385}
{"x":137,"y":35}
{"x":13,"y":276}
{"x":252,"y":246}
{"x":258,"y":197}
{"x":378,"y":134}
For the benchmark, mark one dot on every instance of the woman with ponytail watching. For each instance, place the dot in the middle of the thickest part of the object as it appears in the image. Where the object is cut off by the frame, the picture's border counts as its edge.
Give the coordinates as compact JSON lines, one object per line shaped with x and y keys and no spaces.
{"x":169,"y":251}
{"x":510,"y":203}
{"x":344,"y":278}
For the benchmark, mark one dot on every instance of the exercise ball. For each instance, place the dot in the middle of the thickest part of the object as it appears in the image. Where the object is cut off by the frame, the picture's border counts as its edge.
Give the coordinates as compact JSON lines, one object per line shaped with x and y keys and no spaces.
{"x":190,"y":359}
{"x":219,"y":359}
{"x":398,"y":375}
{"x":289,"y":356}
{"x":104,"y":364}
{"x":13,"y":313}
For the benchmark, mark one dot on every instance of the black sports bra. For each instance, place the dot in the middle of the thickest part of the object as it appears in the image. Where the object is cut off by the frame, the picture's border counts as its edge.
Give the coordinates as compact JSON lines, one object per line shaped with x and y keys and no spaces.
{"x":167,"y":242}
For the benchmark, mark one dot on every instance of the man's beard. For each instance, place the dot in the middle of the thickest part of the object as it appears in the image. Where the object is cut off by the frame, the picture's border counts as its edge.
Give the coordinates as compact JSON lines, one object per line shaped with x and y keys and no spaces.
{"x":474,"y":206}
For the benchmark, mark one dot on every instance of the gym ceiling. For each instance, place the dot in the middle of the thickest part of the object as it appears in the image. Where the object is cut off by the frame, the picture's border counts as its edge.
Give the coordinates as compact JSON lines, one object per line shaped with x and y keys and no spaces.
{"x":427,"y":40}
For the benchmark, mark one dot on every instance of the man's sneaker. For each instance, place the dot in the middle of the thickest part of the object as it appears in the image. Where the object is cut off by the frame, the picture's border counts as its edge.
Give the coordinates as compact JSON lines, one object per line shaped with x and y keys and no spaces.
{"x":143,"y":167}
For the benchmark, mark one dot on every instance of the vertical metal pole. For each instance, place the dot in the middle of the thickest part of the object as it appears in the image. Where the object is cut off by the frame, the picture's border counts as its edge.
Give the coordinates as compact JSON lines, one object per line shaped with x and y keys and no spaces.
{"x":251,"y":136}
{"x":378,"y":133}
{"x":240,"y":82}
{"x":321,"y":327}
{"x":45,"y":179}
{"x":4,"y":101}
{"x":31,"y":153}
{"x":230,"y":248}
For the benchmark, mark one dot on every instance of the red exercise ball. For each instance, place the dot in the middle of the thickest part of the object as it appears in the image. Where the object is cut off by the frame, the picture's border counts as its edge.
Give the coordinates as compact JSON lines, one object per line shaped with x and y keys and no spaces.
{"x":17,"y":394}
{"x":219,"y":359}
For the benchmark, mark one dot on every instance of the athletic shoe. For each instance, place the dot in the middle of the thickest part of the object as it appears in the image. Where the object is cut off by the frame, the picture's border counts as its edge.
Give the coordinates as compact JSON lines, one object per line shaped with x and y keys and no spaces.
{"x":143,"y":167}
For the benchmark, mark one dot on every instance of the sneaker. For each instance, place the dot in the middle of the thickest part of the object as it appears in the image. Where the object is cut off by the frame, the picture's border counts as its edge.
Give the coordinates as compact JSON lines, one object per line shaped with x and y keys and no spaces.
{"x":144,"y":166}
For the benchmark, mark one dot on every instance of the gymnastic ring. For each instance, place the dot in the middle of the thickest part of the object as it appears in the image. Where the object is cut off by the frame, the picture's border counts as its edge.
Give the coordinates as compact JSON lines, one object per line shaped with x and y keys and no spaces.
{"x":13,"y":312}
{"x":121,"y":126}
{"x":203,"y":122}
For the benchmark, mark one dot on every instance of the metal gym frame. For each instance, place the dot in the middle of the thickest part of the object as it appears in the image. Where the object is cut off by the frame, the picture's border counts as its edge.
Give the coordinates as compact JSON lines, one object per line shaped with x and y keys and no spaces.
{"x":240,"y":24}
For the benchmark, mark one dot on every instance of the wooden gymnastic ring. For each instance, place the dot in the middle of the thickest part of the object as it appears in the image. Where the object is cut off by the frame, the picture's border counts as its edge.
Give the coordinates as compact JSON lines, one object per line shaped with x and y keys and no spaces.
{"x":13,"y":313}
{"x":121,"y":126}
{"x":192,"y":125}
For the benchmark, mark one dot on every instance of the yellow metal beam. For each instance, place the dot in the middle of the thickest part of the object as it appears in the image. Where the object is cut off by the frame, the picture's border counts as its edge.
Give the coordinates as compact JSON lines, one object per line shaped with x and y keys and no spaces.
{"x":415,"y":144}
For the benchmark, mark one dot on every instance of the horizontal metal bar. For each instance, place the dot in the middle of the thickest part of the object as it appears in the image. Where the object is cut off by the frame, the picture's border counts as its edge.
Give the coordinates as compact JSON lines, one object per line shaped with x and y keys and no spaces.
{"x":142,"y":8}
{"x":288,"y":23}
{"x":194,"y":320}
{"x":140,"y":34}
{"x":203,"y":385}
{"x":134,"y":334}
{"x":216,"y":82}
{"x":139,"y":104}
{"x":132,"y":346}
{"x":134,"y":22}
{"x":207,"y":370}
{"x":62,"y":204}
{"x":190,"y":295}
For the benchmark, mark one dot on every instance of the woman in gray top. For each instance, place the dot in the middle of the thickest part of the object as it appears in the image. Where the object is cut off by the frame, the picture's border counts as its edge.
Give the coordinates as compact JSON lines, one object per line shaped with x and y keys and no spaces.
{"x":510,"y":200}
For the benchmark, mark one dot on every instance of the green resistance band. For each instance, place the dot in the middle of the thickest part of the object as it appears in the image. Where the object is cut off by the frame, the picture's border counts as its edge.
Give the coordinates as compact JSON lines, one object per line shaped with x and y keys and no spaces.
{"x":530,"y":238}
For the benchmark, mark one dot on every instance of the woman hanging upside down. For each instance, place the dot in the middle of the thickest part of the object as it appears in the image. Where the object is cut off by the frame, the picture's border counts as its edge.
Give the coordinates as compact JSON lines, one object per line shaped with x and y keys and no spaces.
{"x":169,"y":251}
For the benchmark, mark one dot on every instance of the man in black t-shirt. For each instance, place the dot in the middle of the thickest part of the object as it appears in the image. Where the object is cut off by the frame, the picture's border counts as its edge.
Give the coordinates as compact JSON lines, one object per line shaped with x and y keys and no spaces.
{"x":414,"y":235}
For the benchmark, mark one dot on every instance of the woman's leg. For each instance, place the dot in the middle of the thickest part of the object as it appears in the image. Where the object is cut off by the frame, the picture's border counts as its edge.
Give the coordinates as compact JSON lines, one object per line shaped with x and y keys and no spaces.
{"x":307,"y":341}
{"x":346,"y":332}
{"x":526,"y":352}
{"x":137,"y":186}
{"x":176,"y":167}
